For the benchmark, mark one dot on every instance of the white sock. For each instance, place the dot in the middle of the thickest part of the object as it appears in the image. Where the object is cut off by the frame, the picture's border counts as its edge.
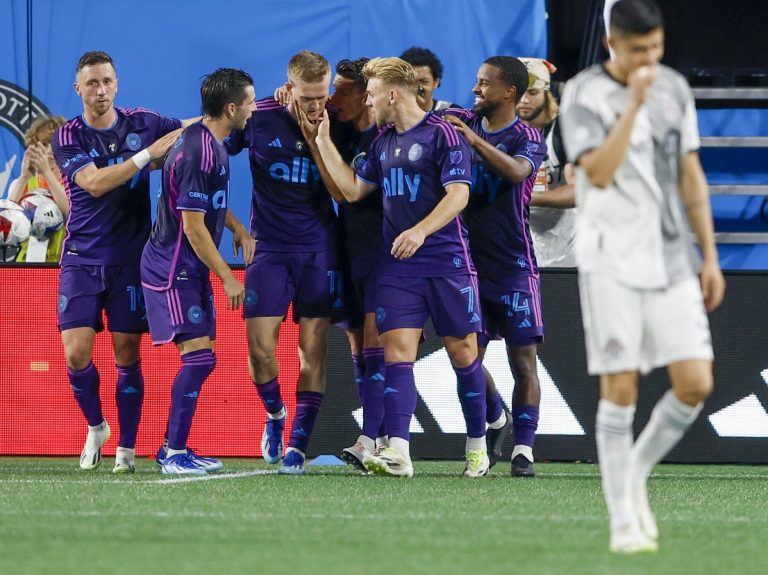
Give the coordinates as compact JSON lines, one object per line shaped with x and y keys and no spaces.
{"x":400,"y":445}
{"x":669,"y":421}
{"x":279,"y":415}
{"x":127,"y":451}
{"x":172,"y":452}
{"x":500,"y":422}
{"x":613,"y":431}
{"x":475,"y":444}
{"x":525,"y":450}
{"x":367,"y":442}
{"x":382,"y":441}
{"x":99,"y":427}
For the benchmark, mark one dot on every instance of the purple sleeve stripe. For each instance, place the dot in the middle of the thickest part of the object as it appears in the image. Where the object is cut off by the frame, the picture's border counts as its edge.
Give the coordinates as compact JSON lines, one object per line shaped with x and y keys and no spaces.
{"x":448,"y":130}
{"x":204,"y":155}
{"x":461,"y":112}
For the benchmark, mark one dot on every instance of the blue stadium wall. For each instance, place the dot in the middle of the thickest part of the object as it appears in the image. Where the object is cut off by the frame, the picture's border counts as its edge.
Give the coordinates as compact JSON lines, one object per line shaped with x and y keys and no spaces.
{"x":162,"y":48}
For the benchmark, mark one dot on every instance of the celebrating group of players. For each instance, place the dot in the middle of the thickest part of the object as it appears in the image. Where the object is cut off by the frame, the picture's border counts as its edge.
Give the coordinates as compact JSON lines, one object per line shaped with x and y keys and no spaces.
{"x":372,"y":208}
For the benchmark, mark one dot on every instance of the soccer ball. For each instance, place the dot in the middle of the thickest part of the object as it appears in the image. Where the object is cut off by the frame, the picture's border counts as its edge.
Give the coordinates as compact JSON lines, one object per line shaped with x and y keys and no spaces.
{"x":14,"y":229}
{"x":43,"y":213}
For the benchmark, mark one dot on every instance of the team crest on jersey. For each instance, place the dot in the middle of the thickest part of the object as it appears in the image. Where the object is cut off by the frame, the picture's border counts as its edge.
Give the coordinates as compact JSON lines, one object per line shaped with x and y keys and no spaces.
{"x":501,"y":147}
{"x":455,"y":156}
{"x":133,"y":141}
{"x":195,"y":314}
{"x":522,"y":262}
{"x":415,"y":153}
{"x":397,"y":151}
{"x":299,"y":145}
{"x":458,"y":261}
{"x":112,"y":147}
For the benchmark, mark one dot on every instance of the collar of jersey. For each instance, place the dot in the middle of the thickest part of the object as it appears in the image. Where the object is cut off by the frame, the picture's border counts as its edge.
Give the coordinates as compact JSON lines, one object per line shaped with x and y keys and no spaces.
{"x":507,"y":127}
{"x":117,"y":118}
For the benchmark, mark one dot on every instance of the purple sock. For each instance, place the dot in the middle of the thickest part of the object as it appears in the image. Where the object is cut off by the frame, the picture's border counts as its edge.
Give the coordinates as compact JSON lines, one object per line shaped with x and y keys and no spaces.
{"x":85,"y":384}
{"x":270,"y":395}
{"x":307,"y":407}
{"x":471,"y":390}
{"x":525,"y":420}
{"x":129,"y":396}
{"x":493,"y":406}
{"x":196,"y":366}
{"x":399,"y":398}
{"x":358,"y":361}
{"x":373,"y":392}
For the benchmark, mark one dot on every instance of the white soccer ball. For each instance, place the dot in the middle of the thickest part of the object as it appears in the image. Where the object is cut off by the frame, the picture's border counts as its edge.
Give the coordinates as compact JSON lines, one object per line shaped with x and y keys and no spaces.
{"x":14,"y":229}
{"x":43,"y":213}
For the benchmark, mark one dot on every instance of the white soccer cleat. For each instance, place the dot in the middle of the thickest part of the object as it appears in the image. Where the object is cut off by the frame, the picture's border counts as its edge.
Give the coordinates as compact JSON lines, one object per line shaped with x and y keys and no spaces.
{"x":354,"y":456}
{"x":90,"y":458}
{"x":477,"y":464}
{"x":644,"y":514}
{"x":125,"y":460}
{"x":630,"y":539}
{"x":388,"y":461}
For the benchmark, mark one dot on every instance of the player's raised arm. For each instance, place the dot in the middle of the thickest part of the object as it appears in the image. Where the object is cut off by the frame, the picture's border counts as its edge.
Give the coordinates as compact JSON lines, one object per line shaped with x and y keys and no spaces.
{"x":101,"y":181}
{"x":409,"y":241}
{"x":512,"y":169}
{"x":349,"y":185}
{"x":600,"y":163}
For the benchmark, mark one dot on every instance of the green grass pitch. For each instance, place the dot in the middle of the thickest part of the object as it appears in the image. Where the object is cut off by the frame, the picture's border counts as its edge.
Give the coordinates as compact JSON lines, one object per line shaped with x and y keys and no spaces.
{"x":57,"y":519}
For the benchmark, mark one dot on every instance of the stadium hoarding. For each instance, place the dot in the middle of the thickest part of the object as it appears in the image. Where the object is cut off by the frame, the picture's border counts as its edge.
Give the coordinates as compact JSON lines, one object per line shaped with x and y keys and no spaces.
{"x":732,"y":428}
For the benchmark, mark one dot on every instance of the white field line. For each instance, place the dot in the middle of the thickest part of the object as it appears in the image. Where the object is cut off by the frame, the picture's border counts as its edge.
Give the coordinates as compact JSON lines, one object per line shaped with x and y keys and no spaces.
{"x":133,"y":480}
{"x":414,"y":516}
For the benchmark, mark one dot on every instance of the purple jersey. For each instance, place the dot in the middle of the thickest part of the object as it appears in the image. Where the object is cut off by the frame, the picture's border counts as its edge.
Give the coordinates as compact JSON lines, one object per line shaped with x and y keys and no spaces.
{"x":361,"y":220}
{"x":497,"y":214}
{"x":291,"y":210}
{"x":111,"y":229}
{"x":412,"y":168}
{"x":195,"y":178}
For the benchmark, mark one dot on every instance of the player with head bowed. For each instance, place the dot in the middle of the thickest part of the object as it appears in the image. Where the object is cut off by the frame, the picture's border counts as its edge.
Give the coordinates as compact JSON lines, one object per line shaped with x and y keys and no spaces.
{"x":630,"y":127}
{"x":421,"y":166}
{"x":103,"y":155}
{"x":507,"y":155}
{"x":296,"y":229}
{"x":183,"y":251}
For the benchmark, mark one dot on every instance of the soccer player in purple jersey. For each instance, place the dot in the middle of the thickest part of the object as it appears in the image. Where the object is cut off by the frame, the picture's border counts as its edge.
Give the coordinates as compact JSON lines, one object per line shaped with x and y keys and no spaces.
{"x":353,"y":129}
{"x":183,"y":250}
{"x":422,"y":167}
{"x":295,"y":226}
{"x":103,"y":156}
{"x":507,"y":156}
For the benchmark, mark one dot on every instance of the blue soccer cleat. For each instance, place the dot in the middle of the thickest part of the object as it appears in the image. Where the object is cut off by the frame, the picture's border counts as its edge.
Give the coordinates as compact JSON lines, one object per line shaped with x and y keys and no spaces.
{"x":272,"y":439}
{"x":181,"y":464}
{"x":293,"y":464}
{"x":207,"y":463}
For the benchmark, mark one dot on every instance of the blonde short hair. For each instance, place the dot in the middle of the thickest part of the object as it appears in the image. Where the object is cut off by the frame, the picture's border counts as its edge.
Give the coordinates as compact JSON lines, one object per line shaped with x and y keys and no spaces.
{"x":551,"y":109}
{"x":42,"y":130}
{"x":308,"y":66}
{"x":393,"y":71}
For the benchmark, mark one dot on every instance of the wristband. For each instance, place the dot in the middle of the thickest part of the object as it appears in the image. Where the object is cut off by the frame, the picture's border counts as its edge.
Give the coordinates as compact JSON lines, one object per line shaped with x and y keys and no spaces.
{"x":141,"y":159}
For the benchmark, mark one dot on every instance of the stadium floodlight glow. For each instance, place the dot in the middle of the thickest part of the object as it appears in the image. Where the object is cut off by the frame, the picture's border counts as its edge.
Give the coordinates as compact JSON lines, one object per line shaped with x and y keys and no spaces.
{"x":745,"y":418}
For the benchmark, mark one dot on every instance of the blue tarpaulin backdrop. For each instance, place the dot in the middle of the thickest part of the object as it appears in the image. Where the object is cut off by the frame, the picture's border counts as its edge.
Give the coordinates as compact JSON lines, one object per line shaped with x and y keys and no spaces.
{"x":162,"y":48}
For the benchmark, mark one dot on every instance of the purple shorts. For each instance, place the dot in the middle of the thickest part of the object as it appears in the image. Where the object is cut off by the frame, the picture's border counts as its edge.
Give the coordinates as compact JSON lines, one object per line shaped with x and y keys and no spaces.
{"x":360,"y":283}
{"x":177,"y":315}
{"x":451,"y":301}
{"x":311,"y":280}
{"x":511,"y":310}
{"x":86,"y":290}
